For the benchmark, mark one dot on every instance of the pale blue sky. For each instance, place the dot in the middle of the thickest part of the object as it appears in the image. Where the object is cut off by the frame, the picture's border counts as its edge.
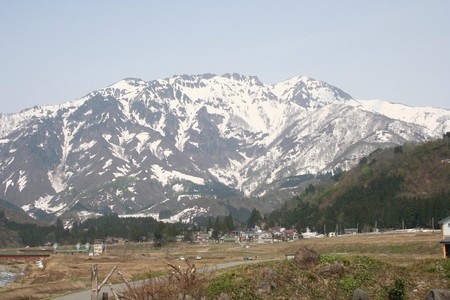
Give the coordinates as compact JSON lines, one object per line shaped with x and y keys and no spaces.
{"x":52,"y":52}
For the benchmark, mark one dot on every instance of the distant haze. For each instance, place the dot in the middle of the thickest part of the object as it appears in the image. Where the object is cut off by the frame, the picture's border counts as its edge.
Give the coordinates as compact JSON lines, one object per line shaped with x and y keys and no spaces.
{"x":56,"y":51}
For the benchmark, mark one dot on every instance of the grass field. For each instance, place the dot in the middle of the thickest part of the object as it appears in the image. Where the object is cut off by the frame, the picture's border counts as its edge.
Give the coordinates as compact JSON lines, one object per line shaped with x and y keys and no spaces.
{"x":64,"y":273}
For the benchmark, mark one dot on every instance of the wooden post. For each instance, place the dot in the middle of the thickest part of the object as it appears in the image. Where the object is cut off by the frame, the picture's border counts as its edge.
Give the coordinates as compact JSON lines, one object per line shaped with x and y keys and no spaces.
{"x":105,"y":296}
{"x":106,"y":278}
{"x":94,"y":280}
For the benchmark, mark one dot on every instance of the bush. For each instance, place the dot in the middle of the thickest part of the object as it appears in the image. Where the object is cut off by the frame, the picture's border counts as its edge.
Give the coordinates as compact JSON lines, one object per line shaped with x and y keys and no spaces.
{"x":397,"y":292}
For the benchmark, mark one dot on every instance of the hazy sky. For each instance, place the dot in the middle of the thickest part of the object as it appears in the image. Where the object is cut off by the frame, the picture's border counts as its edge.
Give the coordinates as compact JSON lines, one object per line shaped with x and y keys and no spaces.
{"x":52,"y":52}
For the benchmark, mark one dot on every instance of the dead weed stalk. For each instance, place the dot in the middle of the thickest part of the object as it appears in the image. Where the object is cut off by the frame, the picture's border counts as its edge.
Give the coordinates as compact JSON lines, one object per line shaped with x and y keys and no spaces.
{"x":181,"y":283}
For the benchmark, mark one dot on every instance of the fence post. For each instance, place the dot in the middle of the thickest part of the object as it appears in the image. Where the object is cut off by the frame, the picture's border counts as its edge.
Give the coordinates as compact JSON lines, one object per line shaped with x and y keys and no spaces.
{"x":94,"y":280}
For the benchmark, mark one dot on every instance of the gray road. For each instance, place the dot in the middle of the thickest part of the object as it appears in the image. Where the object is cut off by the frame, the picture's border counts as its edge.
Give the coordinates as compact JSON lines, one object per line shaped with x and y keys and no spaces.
{"x":86,"y":295}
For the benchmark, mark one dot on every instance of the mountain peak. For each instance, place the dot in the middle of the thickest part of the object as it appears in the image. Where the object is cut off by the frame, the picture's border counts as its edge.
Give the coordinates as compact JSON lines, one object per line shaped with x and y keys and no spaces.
{"x":309,"y":92}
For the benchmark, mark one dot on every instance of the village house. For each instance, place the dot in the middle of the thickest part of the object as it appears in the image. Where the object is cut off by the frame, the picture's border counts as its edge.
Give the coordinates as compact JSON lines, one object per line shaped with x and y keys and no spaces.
{"x":230,"y":238}
{"x":203,"y":237}
{"x":445,"y":227}
{"x":248,"y":237}
{"x":265,"y":237}
{"x":290,"y":235}
{"x":277,"y":234}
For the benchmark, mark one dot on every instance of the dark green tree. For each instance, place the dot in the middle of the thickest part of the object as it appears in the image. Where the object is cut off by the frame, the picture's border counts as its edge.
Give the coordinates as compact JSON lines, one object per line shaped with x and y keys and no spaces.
{"x":255,"y":218}
{"x":209,"y":225}
{"x":229,"y":223}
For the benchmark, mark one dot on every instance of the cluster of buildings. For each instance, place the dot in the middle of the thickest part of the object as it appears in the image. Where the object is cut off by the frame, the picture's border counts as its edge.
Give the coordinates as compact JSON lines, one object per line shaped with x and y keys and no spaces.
{"x":254,"y":235}
{"x":259,"y":236}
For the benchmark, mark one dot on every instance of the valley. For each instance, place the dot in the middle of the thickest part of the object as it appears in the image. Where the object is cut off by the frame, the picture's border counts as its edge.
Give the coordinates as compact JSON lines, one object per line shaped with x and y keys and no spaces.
{"x":64,"y":273}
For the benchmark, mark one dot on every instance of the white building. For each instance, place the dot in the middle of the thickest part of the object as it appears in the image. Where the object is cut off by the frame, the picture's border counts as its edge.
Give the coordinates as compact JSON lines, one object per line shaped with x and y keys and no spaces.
{"x":445,"y":227}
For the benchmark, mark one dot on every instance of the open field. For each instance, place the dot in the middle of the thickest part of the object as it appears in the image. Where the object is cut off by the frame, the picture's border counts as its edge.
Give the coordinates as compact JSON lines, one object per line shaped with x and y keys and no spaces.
{"x":64,"y":273}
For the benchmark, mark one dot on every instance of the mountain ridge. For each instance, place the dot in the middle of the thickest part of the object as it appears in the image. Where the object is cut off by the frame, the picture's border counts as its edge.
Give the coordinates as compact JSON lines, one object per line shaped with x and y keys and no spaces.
{"x":166,"y":138}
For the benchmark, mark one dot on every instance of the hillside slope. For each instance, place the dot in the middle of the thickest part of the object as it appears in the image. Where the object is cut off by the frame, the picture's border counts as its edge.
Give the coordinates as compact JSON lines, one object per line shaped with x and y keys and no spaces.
{"x":404,"y":186}
{"x":9,"y":237}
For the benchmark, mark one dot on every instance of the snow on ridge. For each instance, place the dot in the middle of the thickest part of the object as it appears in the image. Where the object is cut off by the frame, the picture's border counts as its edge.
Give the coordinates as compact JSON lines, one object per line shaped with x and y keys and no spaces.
{"x":436,"y":120}
{"x":125,"y":88}
{"x":186,"y":215}
{"x":140,"y":215}
{"x":255,"y":116}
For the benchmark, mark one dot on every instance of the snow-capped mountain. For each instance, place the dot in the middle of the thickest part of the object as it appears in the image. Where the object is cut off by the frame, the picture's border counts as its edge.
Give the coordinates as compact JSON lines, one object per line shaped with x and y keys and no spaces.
{"x":183,"y":144}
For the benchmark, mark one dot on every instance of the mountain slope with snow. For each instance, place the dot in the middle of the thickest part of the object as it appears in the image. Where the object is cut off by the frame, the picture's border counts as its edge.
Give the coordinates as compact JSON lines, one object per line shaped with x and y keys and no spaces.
{"x":182,"y":144}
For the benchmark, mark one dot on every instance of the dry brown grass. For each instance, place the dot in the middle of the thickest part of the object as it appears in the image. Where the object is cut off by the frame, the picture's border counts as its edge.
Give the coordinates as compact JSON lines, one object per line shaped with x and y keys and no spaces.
{"x":64,"y":272}
{"x":182,"y":282}
{"x":395,"y":248}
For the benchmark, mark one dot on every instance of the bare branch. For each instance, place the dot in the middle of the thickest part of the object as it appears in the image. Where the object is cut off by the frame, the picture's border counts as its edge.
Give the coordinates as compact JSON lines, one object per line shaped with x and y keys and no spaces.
{"x":127,"y":284}
{"x":116,"y":296}
{"x":106,"y":278}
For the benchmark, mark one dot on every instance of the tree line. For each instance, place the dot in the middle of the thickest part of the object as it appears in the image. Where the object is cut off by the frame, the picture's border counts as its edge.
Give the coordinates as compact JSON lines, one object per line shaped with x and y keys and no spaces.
{"x":132,"y":229}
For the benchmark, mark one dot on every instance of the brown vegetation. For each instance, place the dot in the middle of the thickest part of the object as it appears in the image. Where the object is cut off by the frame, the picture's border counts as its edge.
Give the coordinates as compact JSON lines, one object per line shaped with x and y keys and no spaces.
{"x":67,"y":273}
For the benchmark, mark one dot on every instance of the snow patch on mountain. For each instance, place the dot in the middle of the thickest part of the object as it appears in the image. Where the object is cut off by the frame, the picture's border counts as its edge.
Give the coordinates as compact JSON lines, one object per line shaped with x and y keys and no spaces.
{"x":22,"y":181}
{"x":165,"y":176}
{"x":186,"y":215}
{"x":436,"y":120}
{"x":137,"y":144}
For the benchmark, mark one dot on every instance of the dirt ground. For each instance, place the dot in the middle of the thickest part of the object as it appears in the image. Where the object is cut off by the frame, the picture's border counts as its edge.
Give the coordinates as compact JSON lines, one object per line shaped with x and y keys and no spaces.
{"x":65,"y":273}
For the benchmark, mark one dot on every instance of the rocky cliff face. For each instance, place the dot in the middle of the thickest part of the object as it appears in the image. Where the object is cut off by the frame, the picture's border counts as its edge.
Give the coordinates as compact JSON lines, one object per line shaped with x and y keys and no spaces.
{"x":182,"y":144}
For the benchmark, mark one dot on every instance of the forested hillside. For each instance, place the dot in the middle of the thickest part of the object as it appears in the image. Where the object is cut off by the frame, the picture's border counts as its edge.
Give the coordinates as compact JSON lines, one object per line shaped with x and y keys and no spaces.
{"x":406,"y":186}
{"x":16,"y":234}
{"x":9,"y":215}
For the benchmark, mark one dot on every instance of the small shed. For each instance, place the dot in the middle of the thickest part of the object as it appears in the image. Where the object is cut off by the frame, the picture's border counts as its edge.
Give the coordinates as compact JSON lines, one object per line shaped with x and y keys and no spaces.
{"x":445,"y":227}
{"x":351,"y":230}
{"x":99,"y":247}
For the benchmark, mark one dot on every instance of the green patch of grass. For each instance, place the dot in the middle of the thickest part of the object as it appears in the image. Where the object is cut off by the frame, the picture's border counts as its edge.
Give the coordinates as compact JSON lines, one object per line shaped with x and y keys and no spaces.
{"x":350,"y":283}
{"x":333,"y":259}
{"x":147,"y":275}
{"x":379,"y":279}
{"x":233,"y":285}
